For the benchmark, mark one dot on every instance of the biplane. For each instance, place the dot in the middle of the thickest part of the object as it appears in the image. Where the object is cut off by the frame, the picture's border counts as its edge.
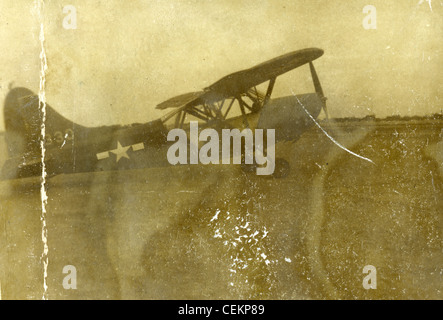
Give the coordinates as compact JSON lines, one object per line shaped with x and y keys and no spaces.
{"x":234,"y":101}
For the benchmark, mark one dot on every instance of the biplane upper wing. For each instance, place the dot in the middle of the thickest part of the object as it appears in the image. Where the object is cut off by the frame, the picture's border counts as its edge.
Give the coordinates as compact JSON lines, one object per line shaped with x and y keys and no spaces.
{"x":181,"y":100}
{"x":240,"y":82}
{"x":244,"y":82}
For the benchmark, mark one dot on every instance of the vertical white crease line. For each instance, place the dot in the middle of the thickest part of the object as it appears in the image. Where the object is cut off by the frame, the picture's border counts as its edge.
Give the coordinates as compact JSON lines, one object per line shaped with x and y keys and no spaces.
{"x":42,"y":108}
{"x":327,"y":135}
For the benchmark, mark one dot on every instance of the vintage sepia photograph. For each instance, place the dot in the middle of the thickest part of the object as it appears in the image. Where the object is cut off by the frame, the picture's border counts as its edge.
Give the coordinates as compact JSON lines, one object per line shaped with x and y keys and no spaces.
{"x":221,"y":150}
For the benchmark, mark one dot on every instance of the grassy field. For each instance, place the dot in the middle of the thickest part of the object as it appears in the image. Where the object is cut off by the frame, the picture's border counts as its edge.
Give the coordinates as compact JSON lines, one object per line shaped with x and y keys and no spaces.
{"x":215,"y":232}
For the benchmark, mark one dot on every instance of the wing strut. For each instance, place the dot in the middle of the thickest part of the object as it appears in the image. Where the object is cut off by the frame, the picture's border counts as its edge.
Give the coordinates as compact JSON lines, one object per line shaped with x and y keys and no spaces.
{"x":318,"y":88}
{"x":243,"y":112}
{"x":269,"y":91}
{"x":229,"y":108}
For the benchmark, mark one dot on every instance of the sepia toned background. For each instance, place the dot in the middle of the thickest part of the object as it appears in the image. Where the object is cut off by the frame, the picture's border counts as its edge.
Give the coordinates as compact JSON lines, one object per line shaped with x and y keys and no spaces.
{"x":125,"y":57}
{"x":202,"y":232}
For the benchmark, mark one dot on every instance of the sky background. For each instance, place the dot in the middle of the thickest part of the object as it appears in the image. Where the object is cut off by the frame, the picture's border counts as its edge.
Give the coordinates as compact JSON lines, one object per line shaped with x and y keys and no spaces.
{"x":125,"y":57}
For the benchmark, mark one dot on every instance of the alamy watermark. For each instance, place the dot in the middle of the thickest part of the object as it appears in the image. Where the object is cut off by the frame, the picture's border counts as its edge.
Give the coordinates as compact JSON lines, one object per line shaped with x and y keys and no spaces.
{"x":370,"y":281}
{"x":70,"y":281}
{"x":370,"y":20}
{"x":70,"y":20}
{"x":210,"y":151}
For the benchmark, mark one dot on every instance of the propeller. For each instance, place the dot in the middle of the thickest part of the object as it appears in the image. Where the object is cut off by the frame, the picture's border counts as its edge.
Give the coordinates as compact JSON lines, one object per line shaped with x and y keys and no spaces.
{"x":318,"y":88}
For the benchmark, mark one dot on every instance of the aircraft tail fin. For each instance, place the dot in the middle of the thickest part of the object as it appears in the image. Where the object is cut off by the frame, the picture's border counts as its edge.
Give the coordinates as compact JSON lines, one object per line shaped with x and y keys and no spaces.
{"x":23,"y":122}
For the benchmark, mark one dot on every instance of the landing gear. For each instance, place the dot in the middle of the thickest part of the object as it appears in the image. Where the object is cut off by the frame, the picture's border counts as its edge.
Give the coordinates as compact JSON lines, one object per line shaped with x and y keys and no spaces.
{"x":248,"y":168}
{"x":282,"y":168}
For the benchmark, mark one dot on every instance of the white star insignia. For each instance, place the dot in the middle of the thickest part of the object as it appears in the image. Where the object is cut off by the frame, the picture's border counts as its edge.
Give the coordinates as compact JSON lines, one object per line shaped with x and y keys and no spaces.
{"x":120,"y":152}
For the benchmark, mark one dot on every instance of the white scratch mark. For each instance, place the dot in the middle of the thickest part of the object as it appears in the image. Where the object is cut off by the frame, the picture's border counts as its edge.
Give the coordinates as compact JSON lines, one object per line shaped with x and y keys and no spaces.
{"x":245,"y":226}
{"x":215,"y":217}
{"x":428,"y":1}
{"x":42,"y":106}
{"x":331,"y":138}
{"x":265,"y":233}
{"x":64,"y":141}
{"x":217,"y":234}
{"x":432,"y":179}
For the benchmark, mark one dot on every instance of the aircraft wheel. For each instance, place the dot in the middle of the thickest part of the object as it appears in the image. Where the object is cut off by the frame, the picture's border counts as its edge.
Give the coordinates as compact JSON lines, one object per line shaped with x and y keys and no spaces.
{"x":248,"y":168}
{"x":282,"y":168}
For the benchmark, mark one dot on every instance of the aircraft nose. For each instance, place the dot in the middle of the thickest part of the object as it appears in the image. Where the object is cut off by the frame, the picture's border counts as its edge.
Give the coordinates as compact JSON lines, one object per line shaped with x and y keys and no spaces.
{"x":287,"y":115}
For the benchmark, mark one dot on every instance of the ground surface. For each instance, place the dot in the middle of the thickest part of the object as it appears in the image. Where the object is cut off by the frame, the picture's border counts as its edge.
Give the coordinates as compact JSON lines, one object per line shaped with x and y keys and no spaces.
{"x":214,"y":232}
